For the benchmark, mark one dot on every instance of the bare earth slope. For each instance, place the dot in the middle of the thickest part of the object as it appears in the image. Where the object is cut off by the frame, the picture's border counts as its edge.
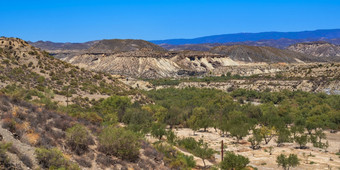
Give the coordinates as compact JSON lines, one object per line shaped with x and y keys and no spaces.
{"x":320,"y":49}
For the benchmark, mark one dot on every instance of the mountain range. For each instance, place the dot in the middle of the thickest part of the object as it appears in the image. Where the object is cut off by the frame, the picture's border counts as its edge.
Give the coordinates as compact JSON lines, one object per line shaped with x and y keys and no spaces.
{"x":241,"y":37}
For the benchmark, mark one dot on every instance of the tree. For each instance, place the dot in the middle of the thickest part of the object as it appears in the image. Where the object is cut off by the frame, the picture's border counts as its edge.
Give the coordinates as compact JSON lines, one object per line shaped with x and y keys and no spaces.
{"x":317,"y":138}
{"x":301,"y":140}
{"x":232,"y":161}
{"x":255,"y":139}
{"x":171,"y":137}
{"x":138,"y":120}
{"x":114,"y":105}
{"x":283,"y":135}
{"x":239,"y":125}
{"x":158,"y":112}
{"x":78,"y":138}
{"x":287,"y":162}
{"x":204,"y":152}
{"x":193,"y":123}
{"x":119,"y":142}
{"x":158,"y":130}
{"x":172,"y":117}
{"x":201,"y":117}
{"x":267,"y":133}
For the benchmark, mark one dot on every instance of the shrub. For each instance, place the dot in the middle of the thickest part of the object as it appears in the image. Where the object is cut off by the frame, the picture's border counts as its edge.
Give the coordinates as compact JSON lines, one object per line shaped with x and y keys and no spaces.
{"x":233,"y":161}
{"x":189,"y":143}
{"x":26,"y":160}
{"x":83,"y":162}
{"x":78,"y":138}
{"x":119,"y":142}
{"x":104,"y":160}
{"x":54,"y":159}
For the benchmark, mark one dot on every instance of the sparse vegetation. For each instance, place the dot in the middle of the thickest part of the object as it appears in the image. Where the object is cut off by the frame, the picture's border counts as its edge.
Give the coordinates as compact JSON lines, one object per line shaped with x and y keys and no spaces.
{"x":287,"y":162}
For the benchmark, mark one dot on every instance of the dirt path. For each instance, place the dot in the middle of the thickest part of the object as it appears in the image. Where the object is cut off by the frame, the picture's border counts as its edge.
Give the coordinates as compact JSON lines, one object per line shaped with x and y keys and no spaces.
{"x":22,"y":147}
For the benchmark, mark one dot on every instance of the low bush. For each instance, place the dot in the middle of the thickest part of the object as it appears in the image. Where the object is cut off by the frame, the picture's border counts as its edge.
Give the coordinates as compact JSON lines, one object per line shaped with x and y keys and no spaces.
{"x":78,"y":138}
{"x":26,"y":160}
{"x":83,"y":162}
{"x":104,"y":160}
{"x":233,"y":161}
{"x":54,"y":159}
{"x":119,"y":142}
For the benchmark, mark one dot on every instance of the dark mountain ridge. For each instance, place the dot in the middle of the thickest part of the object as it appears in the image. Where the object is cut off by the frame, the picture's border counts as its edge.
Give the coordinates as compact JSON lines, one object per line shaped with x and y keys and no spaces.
{"x":240,"y":37}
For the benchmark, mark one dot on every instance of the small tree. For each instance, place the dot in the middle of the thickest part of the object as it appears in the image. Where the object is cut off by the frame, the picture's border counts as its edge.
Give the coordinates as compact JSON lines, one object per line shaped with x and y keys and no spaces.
{"x":287,"y":162}
{"x":171,"y":137}
{"x":267,"y":133}
{"x":301,"y":140}
{"x":78,"y":138}
{"x":204,"y":152}
{"x":239,"y":125}
{"x":255,"y":140}
{"x":193,"y":123}
{"x":317,"y":138}
{"x":202,"y":117}
{"x":158,"y":130}
{"x":233,"y":161}
{"x":283,"y":135}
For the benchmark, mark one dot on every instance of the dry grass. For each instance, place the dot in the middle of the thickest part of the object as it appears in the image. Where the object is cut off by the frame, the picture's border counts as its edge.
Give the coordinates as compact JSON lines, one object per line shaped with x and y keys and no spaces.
{"x":32,"y":138}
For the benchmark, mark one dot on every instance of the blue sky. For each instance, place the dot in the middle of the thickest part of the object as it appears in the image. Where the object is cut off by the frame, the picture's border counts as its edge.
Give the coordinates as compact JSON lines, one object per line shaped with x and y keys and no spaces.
{"x":83,"y":20}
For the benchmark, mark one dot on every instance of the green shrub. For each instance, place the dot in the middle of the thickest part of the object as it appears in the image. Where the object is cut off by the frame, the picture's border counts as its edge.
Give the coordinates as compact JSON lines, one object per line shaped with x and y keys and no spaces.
{"x":54,"y":159}
{"x":78,"y":138}
{"x":189,"y":143}
{"x":233,"y":161}
{"x":119,"y":142}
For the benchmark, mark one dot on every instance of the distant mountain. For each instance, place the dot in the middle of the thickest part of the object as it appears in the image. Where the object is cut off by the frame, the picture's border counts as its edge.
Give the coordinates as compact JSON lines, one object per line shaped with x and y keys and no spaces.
{"x":241,"y":37}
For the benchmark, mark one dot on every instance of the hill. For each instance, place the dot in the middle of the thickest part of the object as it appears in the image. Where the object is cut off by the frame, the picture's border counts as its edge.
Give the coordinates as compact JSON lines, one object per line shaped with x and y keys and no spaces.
{"x":39,"y":138}
{"x":48,"y":45}
{"x":261,"y":54}
{"x":282,"y":43}
{"x":119,"y":45}
{"x":25,"y":67}
{"x":240,"y":37}
{"x":319,"y":49}
{"x":42,"y":99}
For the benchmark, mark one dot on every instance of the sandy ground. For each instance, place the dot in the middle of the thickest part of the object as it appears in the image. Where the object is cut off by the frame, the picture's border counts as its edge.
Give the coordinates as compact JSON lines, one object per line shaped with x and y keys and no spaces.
{"x":263,"y":160}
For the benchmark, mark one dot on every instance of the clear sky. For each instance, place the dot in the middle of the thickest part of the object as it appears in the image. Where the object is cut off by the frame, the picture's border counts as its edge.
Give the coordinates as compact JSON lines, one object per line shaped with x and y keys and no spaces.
{"x":84,"y":20}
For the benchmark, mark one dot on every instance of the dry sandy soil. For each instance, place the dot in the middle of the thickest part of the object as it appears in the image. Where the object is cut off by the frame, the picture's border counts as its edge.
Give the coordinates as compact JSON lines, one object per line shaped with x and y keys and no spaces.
{"x":262,"y":159}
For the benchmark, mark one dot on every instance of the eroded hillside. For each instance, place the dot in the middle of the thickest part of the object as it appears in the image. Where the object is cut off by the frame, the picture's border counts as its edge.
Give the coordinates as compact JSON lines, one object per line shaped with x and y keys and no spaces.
{"x":26,"y":67}
{"x":321,"y":49}
{"x":142,"y":59}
